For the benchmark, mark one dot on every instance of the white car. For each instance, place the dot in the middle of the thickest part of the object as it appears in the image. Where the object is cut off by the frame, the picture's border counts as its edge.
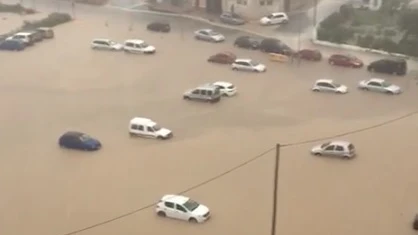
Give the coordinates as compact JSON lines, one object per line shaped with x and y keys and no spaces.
{"x":248,"y":65}
{"x":145,"y":127}
{"x":336,"y":148}
{"x":138,"y":46}
{"x":379,"y":85}
{"x":106,"y":44}
{"x":22,"y":36}
{"x":227,"y":89}
{"x":274,"y":18}
{"x":183,"y":208}
{"x":328,"y":85}
{"x":209,"y":35}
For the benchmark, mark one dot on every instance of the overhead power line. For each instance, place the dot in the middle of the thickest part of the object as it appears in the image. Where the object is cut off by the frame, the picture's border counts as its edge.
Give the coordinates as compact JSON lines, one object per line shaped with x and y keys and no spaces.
{"x":242,"y":165}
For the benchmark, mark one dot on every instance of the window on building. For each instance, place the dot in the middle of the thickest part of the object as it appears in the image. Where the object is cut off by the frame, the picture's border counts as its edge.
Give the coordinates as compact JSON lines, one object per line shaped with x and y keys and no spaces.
{"x":269,"y":2}
{"x":262,"y":2}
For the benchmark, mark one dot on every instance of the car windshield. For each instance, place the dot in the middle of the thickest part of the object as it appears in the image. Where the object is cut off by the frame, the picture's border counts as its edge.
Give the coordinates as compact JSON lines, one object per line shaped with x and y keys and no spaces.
{"x":325,"y":145}
{"x":212,"y":33}
{"x":85,"y":138}
{"x":156,"y":127}
{"x":231,"y":87}
{"x":270,"y":16}
{"x":386,"y":84}
{"x":191,"y":205}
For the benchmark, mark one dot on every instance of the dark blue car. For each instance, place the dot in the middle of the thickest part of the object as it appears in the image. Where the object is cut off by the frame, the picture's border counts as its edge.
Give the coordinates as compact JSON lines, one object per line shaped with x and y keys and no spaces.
{"x":12,"y":45}
{"x":78,"y":140}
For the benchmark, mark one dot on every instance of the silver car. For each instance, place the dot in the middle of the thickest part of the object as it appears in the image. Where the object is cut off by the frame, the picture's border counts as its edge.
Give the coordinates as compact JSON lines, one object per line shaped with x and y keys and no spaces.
{"x":232,"y":18}
{"x":209,"y":35}
{"x":206,"y":93}
{"x":379,"y":85}
{"x":338,"y":148}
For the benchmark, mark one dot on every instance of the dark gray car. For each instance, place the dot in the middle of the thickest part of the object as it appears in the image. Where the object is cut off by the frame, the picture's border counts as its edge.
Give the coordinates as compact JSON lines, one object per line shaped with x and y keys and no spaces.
{"x":232,"y":18}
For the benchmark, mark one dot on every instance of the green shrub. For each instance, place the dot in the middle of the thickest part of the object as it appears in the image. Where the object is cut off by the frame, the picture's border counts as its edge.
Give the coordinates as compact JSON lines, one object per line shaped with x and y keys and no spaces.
{"x":52,"y":20}
{"x":15,"y":8}
{"x":365,"y":41}
{"x":347,"y":11}
{"x":333,"y":21}
{"x":323,"y":34}
{"x":385,"y":44}
{"x":390,"y":32}
{"x":335,"y":35}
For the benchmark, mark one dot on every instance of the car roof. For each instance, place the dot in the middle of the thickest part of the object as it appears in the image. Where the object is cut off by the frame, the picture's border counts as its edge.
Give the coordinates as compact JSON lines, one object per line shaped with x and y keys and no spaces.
{"x":101,"y":39}
{"x":278,"y":13}
{"x":379,"y":80}
{"x":221,"y":83}
{"x":142,"y":120}
{"x":137,"y":41}
{"x":73,"y":133}
{"x":243,"y":60}
{"x":340,"y":142}
{"x":23,"y":33}
{"x":207,"y":30}
{"x":207,"y":86}
{"x":44,"y":28}
{"x":325,"y":80}
{"x":226,"y":53}
{"x":178,"y":199}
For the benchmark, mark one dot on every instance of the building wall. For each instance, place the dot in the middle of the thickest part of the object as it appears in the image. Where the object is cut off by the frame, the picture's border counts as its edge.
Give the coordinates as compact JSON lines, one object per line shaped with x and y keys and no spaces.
{"x":253,"y":9}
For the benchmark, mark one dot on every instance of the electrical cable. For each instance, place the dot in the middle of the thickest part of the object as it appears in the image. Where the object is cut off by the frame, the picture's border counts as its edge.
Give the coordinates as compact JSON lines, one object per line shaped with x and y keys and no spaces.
{"x":244,"y":164}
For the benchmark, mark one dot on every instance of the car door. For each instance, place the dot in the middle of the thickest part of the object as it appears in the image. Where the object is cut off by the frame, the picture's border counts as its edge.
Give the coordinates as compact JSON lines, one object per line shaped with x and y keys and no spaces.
{"x":374,"y":86}
{"x":195,"y":94}
{"x":329,"y":150}
{"x":324,"y":86}
{"x":77,"y":143}
{"x":150,"y":133}
{"x":204,"y":35}
{"x":246,"y":66}
{"x":140,"y":130}
{"x":339,"y":151}
{"x":170,"y":209}
{"x":181,"y":212}
{"x":278,"y":19}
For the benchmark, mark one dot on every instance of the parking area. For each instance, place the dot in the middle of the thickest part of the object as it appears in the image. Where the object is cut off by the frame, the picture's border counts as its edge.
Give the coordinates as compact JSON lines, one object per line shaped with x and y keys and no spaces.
{"x":64,"y":85}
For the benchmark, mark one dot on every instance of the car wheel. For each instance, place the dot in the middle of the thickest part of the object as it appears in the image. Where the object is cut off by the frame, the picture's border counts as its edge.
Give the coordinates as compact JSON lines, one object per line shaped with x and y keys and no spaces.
{"x":316,"y":90}
{"x":365,"y":88}
{"x":161,"y":214}
{"x":389,"y":93}
{"x":234,"y":68}
{"x":160,"y":137}
{"x":193,"y":220}
{"x":338,"y":92}
{"x":186,"y":97}
{"x":346,"y":157}
{"x":224,"y":94}
{"x":317,"y":154}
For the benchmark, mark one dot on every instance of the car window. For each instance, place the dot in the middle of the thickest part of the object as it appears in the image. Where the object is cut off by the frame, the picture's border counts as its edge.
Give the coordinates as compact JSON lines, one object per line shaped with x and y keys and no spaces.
{"x":203,"y":92}
{"x":270,"y":16}
{"x":245,"y":63}
{"x":196,"y":92}
{"x":209,"y":92}
{"x":134,"y":126}
{"x":169,"y":204}
{"x":180,"y":208}
{"x":140,"y":127}
{"x":204,"y":32}
{"x":149,"y":129}
{"x":374,"y":84}
{"x":330,"y":148}
{"x":279,"y":16}
{"x":129,"y":44}
{"x":220,"y":87}
{"x":339,"y":148}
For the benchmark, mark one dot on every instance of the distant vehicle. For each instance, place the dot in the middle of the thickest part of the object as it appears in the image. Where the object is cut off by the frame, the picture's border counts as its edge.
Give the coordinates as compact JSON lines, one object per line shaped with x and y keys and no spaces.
{"x":389,"y":66}
{"x":232,"y":18}
{"x":310,"y":54}
{"x":328,"y":85}
{"x":271,"y":45}
{"x":345,"y":61}
{"x":159,"y":27}
{"x":182,"y":208}
{"x":227,"y":89}
{"x":248,"y":65}
{"x":138,"y":46}
{"x":247,"y":42}
{"x":145,"y":127}
{"x":36,"y":36}
{"x":78,"y":140}
{"x":47,"y":33}
{"x":105,"y":44}
{"x":341,"y":149}
{"x":209,"y":35}
{"x":275,"y":18}
{"x":379,"y":85}
{"x":206,"y":93}
{"x":12,"y":45}
{"x":26,"y":38}
{"x":223,"y":58}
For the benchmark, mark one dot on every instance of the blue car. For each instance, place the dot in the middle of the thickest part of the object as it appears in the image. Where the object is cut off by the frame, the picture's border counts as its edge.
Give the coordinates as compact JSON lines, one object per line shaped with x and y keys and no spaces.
{"x":78,"y":140}
{"x":12,"y":45}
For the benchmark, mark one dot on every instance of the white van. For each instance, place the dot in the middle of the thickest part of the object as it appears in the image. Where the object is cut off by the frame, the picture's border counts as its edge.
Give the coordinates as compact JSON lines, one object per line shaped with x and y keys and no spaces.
{"x":138,"y":46}
{"x":26,"y":38}
{"x":145,"y":127}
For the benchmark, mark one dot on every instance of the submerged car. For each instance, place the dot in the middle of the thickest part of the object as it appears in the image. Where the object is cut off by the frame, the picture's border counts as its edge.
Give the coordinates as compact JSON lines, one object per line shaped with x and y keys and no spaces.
{"x":310,"y":54}
{"x":389,"y":66}
{"x":232,"y":18}
{"x":328,"y":85}
{"x":79,"y":140}
{"x":272,"y":45}
{"x":209,"y":35}
{"x":345,"y":61}
{"x":12,"y":45}
{"x":223,"y":58}
{"x":182,"y":208}
{"x":206,"y":93}
{"x":247,"y":42}
{"x":275,"y":18}
{"x":227,"y":89}
{"x":105,"y":44}
{"x":159,"y":27}
{"x":343,"y":149}
{"x":248,"y":65}
{"x":379,"y":85}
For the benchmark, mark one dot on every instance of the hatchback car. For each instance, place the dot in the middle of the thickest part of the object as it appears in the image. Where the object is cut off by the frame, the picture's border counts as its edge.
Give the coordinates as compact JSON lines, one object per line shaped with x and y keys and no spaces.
{"x":310,"y":54}
{"x":106,"y":44}
{"x":379,"y":85}
{"x":232,"y":18}
{"x":389,"y":66}
{"x":182,"y":208}
{"x":328,"y":85}
{"x":37,"y":36}
{"x":223,"y":58}
{"x":341,"y":149}
{"x":247,"y":42}
{"x":137,"y":46}
{"x":271,"y":45}
{"x":205,"y":93}
{"x":227,"y":89}
{"x":275,"y":18}
{"x":345,"y":61}
{"x":248,"y":65}
{"x":12,"y":45}
{"x":209,"y":35}
{"x":78,"y":140}
{"x":159,"y":27}
{"x":47,"y":33}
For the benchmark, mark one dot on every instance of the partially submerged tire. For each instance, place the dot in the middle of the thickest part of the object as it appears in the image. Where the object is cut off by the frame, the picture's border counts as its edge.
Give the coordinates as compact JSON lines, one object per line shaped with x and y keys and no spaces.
{"x":161,"y":213}
{"x":193,"y":220}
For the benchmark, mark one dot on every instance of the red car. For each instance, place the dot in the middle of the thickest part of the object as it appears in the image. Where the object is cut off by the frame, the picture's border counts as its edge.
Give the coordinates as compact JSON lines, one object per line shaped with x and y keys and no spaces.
{"x":309,"y":54}
{"x":223,"y":58}
{"x":345,"y":61}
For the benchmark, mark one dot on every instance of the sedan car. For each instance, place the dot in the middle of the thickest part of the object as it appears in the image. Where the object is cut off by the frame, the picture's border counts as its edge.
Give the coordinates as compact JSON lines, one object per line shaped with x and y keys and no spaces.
{"x":272,"y":45}
{"x":310,"y":54}
{"x":275,"y":18}
{"x":159,"y":27}
{"x":209,"y":35}
{"x":343,"y":149}
{"x":248,"y":65}
{"x":328,"y":85}
{"x":345,"y":61}
{"x":223,"y":58}
{"x":232,"y":18}
{"x":106,"y":44}
{"x":247,"y":42}
{"x":226,"y":88}
{"x":182,"y":208}
{"x":379,"y":85}
{"x":78,"y":140}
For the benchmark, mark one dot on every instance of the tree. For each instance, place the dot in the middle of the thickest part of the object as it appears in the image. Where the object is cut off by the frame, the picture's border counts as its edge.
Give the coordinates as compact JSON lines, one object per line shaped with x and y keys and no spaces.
{"x":408,"y":21}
